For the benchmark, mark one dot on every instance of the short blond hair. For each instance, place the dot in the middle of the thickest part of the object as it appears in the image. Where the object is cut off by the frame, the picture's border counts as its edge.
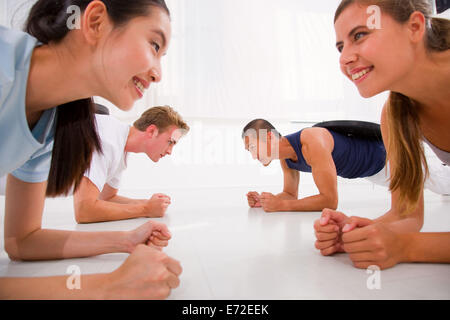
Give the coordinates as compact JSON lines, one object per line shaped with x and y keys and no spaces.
{"x":162,"y":117}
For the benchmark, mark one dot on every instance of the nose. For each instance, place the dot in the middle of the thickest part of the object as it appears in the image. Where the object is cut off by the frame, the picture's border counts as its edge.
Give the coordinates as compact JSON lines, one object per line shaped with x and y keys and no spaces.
{"x":348,"y":56}
{"x":155,"y":73}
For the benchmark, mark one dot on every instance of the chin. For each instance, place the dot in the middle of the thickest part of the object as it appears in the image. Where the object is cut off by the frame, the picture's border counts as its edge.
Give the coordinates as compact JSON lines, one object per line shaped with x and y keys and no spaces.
{"x":125,"y":106}
{"x":365,"y":93}
{"x":266,"y":164}
{"x":123,"y":103}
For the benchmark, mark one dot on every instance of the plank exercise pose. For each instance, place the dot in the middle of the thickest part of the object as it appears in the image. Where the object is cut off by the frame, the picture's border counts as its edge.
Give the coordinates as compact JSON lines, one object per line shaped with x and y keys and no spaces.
{"x":324,"y":153}
{"x":155,"y":133}
{"x":48,"y":77}
{"x":408,"y":54}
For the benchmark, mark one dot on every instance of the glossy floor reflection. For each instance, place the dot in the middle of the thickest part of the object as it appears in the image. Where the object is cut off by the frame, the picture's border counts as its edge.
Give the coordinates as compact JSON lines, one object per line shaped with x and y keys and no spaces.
{"x":229,"y":251}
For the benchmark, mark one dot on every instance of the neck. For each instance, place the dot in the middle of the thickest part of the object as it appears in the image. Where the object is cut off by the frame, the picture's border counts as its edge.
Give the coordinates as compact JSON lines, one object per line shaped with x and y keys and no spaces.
{"x":286,"y":150}
{"x":427,"y":84}
{"x":134,"y":140}
{"x":57,"y":76}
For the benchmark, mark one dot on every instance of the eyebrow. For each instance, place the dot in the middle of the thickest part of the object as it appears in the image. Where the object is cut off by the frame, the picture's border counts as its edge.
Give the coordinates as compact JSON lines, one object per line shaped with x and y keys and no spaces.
{"x":162,"y":35}
{"x":350,"y":34}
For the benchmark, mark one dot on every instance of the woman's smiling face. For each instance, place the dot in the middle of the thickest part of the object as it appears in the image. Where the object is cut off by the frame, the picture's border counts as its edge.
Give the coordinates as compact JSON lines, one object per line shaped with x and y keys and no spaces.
{"x":376,"y":59}
{"x":130,"y":59}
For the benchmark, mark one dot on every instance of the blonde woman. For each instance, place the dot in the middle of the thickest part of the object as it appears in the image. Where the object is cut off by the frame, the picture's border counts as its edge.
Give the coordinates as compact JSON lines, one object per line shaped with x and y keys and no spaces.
{"x":408,"y":54}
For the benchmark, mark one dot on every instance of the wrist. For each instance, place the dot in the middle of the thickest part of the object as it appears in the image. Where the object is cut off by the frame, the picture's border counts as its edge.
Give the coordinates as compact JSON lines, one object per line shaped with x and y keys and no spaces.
{"x":143,"y":208}
{"x":125,"y":244}
{"x":285,"y":205}
{"x":408,"y":246}
{"x":97,"y":285}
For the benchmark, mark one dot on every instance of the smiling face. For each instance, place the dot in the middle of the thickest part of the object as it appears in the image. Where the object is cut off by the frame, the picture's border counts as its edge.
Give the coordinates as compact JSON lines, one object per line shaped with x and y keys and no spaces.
{"x":130,"y":59}
{"x":159,"y":144}
{"x":375,"y":60}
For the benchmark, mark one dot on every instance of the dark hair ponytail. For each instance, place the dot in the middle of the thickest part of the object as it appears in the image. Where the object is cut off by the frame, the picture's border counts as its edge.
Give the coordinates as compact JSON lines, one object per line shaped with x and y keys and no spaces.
{"x":76,"y":136}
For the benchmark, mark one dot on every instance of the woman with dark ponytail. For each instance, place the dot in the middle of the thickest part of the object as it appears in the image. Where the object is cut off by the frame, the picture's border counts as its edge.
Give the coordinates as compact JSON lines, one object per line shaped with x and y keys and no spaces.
{"x":399,"y":46}
{"x":48,"y":77}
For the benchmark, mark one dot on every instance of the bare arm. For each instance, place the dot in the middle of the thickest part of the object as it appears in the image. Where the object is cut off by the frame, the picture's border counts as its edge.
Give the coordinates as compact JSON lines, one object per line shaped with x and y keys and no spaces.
{"x":146,"y":274}
{"x":26,"y":240}
{"x":317,"y":147}
{"x":291,"y":179}
{"x":110,"y":194}
{"x":428,"y":247}
{"x":89,"y":208}
{"x":48,"y":288}
{"x":92,"y":206}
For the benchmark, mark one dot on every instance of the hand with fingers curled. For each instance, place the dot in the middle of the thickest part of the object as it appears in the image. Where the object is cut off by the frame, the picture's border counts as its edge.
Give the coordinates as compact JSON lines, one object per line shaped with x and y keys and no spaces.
{"x":146,"y":274}
{"x":373,"y":244}
{"x":253,"y":199}
{"x":328,"y":232}
{"x":270,"y":202}
{"x":157,"y":205}
{"x":367,"y":243}
{"x":151,"y":233}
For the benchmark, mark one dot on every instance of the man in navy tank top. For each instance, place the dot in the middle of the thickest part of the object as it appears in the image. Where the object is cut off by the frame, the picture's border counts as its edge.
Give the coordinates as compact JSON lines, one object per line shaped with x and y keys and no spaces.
{"x":320,"y":151}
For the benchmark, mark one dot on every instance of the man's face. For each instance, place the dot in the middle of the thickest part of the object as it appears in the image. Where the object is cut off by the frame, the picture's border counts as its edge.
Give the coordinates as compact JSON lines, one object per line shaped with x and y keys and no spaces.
{"x":161,"y":144}
{"x":260,"y":148}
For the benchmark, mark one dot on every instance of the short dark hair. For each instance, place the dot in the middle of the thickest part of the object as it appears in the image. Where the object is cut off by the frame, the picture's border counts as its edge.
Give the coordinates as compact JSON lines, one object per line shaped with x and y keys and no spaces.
{"x":260,"y":124}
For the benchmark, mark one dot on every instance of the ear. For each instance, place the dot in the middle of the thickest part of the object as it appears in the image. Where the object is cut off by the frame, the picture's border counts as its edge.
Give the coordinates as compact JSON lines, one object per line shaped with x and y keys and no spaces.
{"x":95,"y":22}
{"x":416,"y":27}
{"x":152,"y":131}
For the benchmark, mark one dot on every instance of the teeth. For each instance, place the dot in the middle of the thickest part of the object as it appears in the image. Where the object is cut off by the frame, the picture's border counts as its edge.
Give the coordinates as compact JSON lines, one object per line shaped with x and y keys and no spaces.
{"x":139,"y":84}
{"x":358,"y":75}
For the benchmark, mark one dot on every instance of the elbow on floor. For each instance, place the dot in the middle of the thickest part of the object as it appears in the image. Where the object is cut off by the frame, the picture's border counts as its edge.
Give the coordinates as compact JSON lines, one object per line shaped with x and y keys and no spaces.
{"x":82,"y":213}
{"x":331,"y":203}
{"x":12,"y":249}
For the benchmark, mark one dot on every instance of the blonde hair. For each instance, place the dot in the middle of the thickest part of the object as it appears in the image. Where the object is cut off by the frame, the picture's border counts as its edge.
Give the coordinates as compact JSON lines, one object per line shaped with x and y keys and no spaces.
{"x":404,"y":146}
{"x":162,"y":117}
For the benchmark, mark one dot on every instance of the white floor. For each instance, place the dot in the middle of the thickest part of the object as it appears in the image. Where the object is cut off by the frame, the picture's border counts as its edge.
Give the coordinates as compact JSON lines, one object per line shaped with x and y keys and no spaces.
{"x":229,"y":251}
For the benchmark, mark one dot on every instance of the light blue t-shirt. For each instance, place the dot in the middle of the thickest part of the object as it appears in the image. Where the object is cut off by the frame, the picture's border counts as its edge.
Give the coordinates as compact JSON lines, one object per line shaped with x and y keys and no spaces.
{"x":23,"y":153}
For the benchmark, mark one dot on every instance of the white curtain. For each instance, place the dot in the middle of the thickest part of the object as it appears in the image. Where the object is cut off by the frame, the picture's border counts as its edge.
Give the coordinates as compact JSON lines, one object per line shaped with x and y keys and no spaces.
{"x":242,"y":59}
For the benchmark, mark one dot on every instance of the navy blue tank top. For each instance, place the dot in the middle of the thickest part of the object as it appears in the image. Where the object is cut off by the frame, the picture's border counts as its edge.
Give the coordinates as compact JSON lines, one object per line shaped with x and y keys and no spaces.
{"x":353,"y":157}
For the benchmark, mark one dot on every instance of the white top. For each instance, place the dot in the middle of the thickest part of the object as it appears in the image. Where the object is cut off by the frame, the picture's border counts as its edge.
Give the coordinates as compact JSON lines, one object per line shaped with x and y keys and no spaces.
{"x":107,"y":167}
{"x":23,"y":152}
{"x":444,"y":156}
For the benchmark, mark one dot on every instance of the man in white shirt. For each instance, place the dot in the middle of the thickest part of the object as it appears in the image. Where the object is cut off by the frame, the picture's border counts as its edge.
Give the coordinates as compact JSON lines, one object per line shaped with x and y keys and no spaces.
{"x":155,"y":133}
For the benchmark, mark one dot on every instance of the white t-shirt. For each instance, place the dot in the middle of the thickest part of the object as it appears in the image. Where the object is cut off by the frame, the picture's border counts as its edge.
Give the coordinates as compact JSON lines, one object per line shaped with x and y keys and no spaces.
{"x":107,"y":167}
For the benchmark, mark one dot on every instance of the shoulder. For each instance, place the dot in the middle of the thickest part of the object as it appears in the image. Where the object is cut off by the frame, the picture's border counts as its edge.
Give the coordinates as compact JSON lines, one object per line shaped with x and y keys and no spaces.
{"x":109,"y":126}
{"x":316,"y":138}
{"x":16,"y":48}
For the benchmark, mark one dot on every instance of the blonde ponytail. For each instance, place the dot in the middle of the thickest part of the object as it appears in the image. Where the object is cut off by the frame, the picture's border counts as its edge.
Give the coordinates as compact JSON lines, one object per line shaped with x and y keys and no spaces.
{"x":405,"y":150}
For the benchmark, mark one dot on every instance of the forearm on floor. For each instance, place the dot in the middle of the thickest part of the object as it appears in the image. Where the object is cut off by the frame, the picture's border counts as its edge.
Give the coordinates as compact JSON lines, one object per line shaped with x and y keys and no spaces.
{"x":400,"y":223}
{"x":286,"y":196}
{"x":57,"y":287}
{"x":102,"y":211}
{"x":431,"y":247}
{"x":47,"y":244}
{"x":312,"y":203}
{"x":124,"y":200}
